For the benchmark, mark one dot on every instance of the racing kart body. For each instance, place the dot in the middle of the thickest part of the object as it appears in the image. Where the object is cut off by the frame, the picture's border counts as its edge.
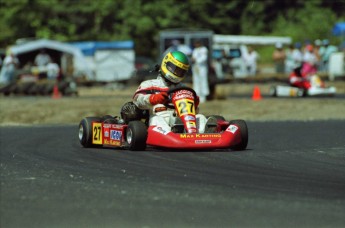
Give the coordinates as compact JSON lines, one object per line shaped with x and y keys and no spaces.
{"x":135,"y":133}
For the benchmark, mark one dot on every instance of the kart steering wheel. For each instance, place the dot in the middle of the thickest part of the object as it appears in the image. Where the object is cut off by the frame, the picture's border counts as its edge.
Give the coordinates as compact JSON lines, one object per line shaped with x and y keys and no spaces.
{"x":171,"y":91}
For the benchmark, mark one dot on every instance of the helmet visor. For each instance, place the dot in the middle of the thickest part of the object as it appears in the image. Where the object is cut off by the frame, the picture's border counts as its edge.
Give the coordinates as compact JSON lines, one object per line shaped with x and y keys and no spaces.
{"x":175,"y":69}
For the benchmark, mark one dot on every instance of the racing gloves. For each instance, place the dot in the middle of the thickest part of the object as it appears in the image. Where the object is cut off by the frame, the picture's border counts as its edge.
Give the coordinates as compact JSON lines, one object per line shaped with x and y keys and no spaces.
{"x":159,"y":98}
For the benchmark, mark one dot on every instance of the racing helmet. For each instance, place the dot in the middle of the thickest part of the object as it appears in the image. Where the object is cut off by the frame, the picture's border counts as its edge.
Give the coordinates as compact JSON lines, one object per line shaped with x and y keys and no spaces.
{"x":174,"y":66}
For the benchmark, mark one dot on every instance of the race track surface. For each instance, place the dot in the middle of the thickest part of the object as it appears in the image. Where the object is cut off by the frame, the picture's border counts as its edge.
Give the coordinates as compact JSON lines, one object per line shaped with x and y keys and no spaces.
{"x":291,"y":175}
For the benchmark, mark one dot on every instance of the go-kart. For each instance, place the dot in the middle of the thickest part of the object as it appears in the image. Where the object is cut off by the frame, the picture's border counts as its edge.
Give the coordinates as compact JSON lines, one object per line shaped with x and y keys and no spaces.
{"x":317,"y":89}
{"x":132,"y":131}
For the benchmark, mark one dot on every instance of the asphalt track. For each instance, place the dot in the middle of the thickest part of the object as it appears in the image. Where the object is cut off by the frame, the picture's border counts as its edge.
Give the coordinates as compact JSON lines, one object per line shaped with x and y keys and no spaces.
{"x":291,"y":175}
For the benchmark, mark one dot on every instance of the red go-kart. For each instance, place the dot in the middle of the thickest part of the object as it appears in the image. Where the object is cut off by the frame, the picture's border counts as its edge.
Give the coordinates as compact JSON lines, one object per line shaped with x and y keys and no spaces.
{"x":132,"y":132}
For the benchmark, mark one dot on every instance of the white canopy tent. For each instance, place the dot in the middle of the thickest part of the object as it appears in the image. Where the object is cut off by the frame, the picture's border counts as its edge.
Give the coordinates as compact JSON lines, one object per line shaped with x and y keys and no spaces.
{"x":251,"y":40}
{"x":79,"y":62}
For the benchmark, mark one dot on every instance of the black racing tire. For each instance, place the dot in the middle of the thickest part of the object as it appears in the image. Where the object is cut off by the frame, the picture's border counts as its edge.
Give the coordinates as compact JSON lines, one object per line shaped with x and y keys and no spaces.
{"x":48,"y":89}
{"x":109,"y":119}
{"x":218,"y":117}
{"x":8,"y":89}
{"x":85,"y":131}
{"x":105,"y":117}
{"x":244,"y":135}
{"x":136,"y":135}
{"x":27,"y":88}
{"x":33,"y":90}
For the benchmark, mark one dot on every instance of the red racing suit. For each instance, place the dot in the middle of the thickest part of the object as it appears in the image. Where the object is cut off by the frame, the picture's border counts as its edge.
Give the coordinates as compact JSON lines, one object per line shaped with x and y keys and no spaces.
{"x":297,"y":80}
{"x":300,"y":77}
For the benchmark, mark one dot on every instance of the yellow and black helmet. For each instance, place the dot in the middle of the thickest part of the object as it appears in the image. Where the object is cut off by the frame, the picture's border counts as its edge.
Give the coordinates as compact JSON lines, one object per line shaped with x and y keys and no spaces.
{"x":174,"y":66}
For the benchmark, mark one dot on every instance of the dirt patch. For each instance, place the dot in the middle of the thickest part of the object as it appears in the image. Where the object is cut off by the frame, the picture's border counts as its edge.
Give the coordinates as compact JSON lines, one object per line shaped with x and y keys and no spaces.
{"x":234,"y":102}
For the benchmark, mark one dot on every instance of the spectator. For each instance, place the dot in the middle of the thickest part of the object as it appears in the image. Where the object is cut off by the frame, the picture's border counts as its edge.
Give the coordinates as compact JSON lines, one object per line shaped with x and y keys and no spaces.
{"x":53,"y":70}
{"x":289,"y":61}
{"x":8,"y":70}
{"x":176,"y":45}
{"x":200,"y":70}
{"x":317,"y":47}
{"x":297,"y":55}
{"x":279,"y":58}
{"x":42,"y":59}
{"x":250,"y":60}
{"x":326,"y":54}
{"x":309,"y":56}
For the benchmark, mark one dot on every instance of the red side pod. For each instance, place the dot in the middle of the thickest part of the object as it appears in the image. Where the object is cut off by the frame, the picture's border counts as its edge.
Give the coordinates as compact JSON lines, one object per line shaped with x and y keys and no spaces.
{"x":113,"y":135}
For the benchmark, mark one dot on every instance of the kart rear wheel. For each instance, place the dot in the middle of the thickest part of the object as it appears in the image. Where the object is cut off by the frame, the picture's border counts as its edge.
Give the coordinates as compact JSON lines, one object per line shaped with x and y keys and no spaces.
{"x":85,"y":131}
{"x":218,"y":117}
{"x":136,"y":135}
{"x":244,"y":134}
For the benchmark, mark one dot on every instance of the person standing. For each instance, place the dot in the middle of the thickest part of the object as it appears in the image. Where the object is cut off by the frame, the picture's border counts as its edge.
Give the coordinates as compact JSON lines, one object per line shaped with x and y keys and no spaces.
{"x":279,"y":58}
{"x":250,"y":60}
{"x":327,"y":52}
{"x":297,"y":55}
{"x":309,"y":56}
{"x":9,"y":68}
{"x":42,"y":58}
{"x":200,"y":70}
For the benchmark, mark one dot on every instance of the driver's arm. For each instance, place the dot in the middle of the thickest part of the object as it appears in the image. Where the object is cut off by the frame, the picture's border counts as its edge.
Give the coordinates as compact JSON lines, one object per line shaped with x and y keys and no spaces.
{"x":147,"y":95}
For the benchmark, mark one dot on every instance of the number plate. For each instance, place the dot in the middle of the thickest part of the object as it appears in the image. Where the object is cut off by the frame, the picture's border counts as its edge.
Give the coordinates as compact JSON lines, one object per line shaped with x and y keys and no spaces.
{"x":185,"y":107}
{"x":97,"y":133}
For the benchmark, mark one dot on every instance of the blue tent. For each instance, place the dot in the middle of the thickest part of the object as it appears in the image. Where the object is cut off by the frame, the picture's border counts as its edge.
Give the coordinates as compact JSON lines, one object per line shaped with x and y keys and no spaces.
{"x":89,"y":47}
{"x":339,"y":29}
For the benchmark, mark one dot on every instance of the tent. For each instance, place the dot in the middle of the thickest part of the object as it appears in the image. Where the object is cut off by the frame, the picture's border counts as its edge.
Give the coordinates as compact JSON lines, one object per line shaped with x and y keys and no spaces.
{"x":339,"y":29}
{"x":109,"y":60}
{"x":27,"y":51}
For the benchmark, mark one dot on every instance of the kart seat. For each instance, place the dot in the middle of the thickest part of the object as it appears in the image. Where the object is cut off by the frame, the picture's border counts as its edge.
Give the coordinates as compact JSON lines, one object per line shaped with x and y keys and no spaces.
{"x":178,"y":126}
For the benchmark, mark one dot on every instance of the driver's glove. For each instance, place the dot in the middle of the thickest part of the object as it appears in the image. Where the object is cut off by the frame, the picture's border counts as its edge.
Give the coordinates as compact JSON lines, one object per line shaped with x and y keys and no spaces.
{"x":159,"y":98}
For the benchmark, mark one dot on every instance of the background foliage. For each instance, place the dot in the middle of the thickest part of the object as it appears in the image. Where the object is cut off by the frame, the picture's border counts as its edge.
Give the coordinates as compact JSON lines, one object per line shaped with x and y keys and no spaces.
{"x":141,"y":20}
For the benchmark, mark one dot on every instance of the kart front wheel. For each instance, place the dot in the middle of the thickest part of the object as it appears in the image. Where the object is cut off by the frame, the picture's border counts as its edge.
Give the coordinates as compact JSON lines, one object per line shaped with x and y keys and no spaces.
{"x":85,"y":131}
{"x":136,"y":135}
{"x":244,"y":135}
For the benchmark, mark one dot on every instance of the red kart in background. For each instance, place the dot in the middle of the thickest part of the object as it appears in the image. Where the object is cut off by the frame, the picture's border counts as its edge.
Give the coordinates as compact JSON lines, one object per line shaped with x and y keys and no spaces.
{"x":304,"y":82}
{"x":132,"y":132}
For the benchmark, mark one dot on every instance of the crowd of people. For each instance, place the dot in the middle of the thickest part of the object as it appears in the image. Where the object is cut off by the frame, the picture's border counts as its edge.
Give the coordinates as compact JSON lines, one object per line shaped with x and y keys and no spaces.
{"x":42,"y":63}
{"x":315,"y":53}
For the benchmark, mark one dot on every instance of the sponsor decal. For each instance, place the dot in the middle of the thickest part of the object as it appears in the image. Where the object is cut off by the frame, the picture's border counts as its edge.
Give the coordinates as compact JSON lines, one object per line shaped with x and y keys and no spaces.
{"x":106,"y":133}
{"x":160,"y":130}
{"x":115,"y":135}
{"x":189,"y":118}
{"x":183,"y":94}
{"x":232,"y":129}
{"x":202,"y":141}
{"x":117,"y":126}
{"x":112,"y":142}
{"x":106,"y":128}
{"x":194,"y":136}
{"x":191,"y":125}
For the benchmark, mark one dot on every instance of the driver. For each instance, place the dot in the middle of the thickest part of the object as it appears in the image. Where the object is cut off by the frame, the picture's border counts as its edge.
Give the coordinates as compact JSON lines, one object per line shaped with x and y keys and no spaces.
{"x":152,"y":94}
